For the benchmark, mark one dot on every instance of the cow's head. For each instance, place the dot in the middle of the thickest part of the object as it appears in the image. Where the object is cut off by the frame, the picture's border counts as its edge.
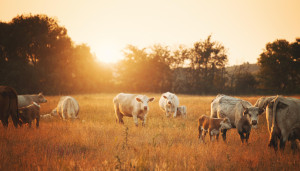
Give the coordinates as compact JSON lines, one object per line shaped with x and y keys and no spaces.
{"x":144,"y":101}
{"x":169,"y":99}
{"x":225,"y":124}
{"x":253,"y":113}
{"x":41,"y":98}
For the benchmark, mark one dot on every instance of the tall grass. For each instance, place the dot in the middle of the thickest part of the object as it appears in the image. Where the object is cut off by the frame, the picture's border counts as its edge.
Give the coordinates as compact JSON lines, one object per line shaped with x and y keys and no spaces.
{"x":97,"y":142}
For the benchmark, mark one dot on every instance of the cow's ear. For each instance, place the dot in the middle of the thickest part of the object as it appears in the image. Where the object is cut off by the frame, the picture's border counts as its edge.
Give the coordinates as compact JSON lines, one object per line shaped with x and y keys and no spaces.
{"x":151,"y":99}
{"x":165,"y":97}
{"x":138,"y":99}
{"x":260,"y":111}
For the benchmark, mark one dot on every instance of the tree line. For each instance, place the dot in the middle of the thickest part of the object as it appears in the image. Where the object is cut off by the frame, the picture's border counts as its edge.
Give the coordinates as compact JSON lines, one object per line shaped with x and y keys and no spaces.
{"x":36,"y":54}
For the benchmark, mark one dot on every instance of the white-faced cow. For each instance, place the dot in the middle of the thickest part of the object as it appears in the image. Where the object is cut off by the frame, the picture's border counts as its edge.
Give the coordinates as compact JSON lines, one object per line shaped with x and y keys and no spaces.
{"x":169,"y":102}
{"x":233,"y":108}
{"x":131,"y":105}
{"x":283,"y":116}
{"x":8,"y":106}
{"x":67,"y":108}
{"x":25,"y":100}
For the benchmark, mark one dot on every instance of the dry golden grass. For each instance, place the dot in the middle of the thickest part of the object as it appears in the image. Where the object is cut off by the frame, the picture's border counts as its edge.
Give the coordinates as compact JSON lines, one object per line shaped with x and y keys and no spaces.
{"x":164,"y":144}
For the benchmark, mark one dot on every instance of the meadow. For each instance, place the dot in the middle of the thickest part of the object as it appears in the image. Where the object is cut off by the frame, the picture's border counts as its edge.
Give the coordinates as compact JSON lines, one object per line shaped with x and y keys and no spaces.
{"x":97,"y":142}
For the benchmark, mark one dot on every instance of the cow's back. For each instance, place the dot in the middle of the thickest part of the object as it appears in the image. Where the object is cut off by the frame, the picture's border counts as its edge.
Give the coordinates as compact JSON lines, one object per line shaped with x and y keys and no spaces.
{"x":68,"y":107}
{"x":24,"y":100}
{"x":226,"y":106}
{"x":125,"y":103}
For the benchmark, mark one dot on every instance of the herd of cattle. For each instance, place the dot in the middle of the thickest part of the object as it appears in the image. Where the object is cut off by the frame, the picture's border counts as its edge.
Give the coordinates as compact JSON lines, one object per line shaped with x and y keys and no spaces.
{"x":282,"y":113}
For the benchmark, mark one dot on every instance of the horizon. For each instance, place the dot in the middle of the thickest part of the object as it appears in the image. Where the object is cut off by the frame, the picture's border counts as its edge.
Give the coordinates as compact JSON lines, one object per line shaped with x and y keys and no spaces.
{"x":107,"y":27}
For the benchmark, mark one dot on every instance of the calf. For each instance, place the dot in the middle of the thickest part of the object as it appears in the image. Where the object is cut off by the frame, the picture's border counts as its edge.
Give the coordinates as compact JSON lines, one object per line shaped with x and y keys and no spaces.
{"x":213,"y":126}
{"x":244,"y":128}
{"x":181,"y":111}
{"x":203,"y":124}
{"x":29,"y":113}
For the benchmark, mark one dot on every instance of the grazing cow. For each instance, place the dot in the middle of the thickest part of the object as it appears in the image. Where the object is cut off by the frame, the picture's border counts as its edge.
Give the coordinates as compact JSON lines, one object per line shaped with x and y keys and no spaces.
{"x":203,"y":124}
{"x":244,"y":127}
{"x":25,"y":100}
{"x":8,"y":105}
{"x":29,"y":113}
{"x":225,"y":106}
{"x":169,"y":102}
{"x":131,"y":105}
{"x":181,"y":111}
{"x":213,"y":126}
{"x":283,"y":117}
{"x":67,"y":108}
{"x":263,"y":102}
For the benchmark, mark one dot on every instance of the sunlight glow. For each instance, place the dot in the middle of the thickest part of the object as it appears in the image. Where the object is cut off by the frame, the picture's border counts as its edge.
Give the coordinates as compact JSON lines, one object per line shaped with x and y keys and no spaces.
{"x":107,"y":53}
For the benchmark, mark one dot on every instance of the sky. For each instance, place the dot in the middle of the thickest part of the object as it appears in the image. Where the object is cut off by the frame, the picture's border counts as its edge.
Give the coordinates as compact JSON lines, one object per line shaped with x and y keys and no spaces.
{"x":244,"y":27}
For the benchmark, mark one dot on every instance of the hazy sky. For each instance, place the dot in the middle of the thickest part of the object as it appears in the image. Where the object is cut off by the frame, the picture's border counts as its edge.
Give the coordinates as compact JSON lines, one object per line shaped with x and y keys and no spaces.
{"x":107,"y":26}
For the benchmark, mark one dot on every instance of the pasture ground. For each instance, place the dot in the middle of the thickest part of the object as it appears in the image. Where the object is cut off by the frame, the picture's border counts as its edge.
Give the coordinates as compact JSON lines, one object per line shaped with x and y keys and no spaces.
{"x":97,"y":142}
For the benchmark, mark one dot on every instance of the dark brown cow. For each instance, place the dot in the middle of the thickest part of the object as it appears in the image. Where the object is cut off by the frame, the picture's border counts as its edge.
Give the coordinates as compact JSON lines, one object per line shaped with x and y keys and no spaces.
{"x":29,"y":113}
{"x":244,"y":127}
{"x":8,"y":105}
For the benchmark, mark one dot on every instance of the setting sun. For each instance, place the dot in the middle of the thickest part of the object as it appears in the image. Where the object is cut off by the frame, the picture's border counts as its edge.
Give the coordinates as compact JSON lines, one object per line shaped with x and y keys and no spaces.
{"x":107,"y":53}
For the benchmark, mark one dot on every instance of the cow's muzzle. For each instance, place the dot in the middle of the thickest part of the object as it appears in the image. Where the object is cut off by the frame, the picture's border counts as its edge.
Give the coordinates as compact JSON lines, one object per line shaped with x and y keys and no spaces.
{"x":254,"y":122}
{"x":169,"y":102}
{"x":145,"y":108}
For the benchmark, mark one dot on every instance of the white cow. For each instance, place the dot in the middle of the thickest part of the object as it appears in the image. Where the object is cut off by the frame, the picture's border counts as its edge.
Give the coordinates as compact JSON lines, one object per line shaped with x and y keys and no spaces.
{"x":67,"y":108}
{"x":169,"y":102}
{"x":181,"y":111}
{"x":131,"y":105}
{"x":225,"y":106}
{"x":283,"y":116}
{"x":25,"y":100}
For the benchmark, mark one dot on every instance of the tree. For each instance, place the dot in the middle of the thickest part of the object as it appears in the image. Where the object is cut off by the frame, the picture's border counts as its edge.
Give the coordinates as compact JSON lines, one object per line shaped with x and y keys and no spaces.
{"x":279,"y":67}
{"x":207,"y":63}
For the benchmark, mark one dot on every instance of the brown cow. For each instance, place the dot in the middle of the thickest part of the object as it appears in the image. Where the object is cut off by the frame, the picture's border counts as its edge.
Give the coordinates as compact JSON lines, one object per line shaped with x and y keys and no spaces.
{"x":213,"y":126}
{"x":8,"y":105}
{"x":29,"y":113}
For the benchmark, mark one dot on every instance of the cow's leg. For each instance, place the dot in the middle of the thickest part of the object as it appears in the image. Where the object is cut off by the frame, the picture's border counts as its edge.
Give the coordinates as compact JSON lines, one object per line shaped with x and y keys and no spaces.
{"x":29,"y":124}
{"x":175,"y":113}
{"x":37,"y":122}
{"x":144,"y":120}
{"x":135,"y":119}
{"x":273,"y":141}
{"x":282,"y":143}
{"x":294,"y":145}
{"x":14,"y":117}
{"x":224,"y":134}
{"x":242,"y":137}
{"x":4,"y":123}
{"x":119,"y":116}
{"x":200,"y":132}
{"x":217,"y":137}
{"x":247,"y":136}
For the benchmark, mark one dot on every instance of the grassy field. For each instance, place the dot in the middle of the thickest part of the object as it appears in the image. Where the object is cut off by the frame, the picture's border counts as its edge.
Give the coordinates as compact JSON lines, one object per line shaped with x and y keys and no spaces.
{"x":97,"y":142}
